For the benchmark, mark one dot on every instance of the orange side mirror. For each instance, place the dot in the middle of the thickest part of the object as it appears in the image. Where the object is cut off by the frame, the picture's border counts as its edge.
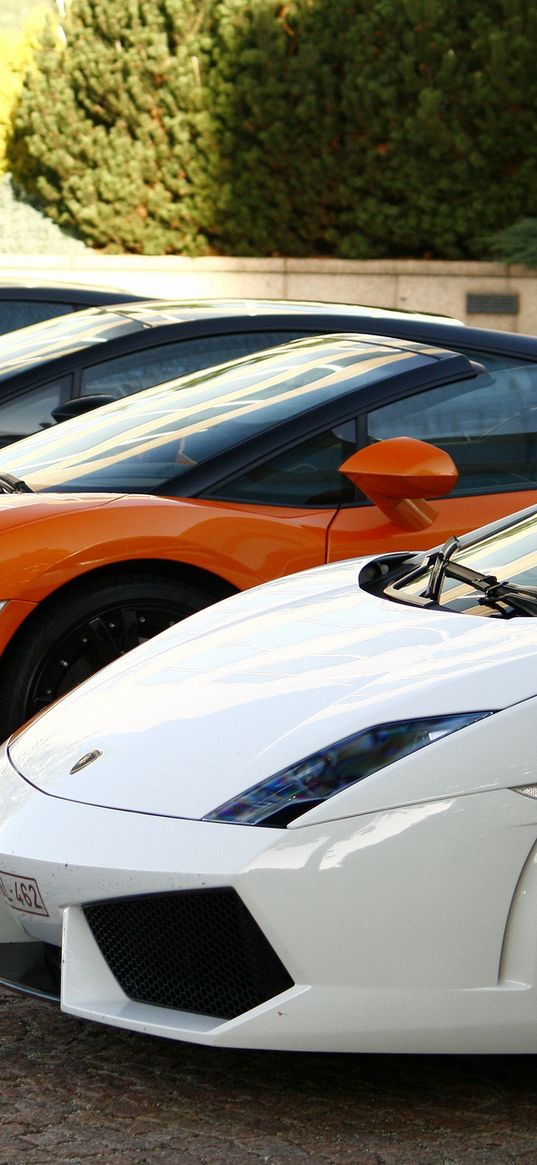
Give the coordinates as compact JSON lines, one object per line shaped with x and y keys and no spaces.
{"x":398,"y":474}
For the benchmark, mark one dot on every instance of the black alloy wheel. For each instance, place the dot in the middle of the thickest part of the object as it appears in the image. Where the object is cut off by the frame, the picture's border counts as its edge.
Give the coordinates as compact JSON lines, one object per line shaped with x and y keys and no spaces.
{"x":76,"y":634}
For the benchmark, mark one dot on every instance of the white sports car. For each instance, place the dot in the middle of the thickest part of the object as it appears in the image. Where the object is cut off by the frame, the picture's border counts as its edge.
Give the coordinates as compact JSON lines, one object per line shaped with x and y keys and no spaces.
{"x":305,"y":818}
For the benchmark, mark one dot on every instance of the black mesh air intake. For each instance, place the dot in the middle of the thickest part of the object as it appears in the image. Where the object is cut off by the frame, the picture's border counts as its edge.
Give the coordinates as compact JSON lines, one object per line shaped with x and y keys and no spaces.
{"x":194,"y":950}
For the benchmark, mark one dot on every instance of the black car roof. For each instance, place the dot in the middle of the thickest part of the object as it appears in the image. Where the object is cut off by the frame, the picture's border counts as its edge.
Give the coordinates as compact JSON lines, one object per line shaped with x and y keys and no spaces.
{"x":90,"y":296}
{"x":64,"y":340}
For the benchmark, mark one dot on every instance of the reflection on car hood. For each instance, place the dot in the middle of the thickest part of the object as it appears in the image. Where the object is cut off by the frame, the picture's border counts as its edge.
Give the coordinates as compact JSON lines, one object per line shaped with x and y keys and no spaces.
{"x":21,"y":509}
{"x":247,"y":687}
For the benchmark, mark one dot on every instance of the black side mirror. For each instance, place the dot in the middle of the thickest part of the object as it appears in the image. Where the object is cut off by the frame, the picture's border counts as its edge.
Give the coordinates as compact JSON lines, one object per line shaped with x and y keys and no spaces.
{"x":81,"y":404}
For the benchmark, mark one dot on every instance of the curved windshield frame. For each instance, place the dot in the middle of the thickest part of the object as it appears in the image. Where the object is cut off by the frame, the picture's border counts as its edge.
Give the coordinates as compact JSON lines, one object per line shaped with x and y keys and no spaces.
{"x":141,"y":442}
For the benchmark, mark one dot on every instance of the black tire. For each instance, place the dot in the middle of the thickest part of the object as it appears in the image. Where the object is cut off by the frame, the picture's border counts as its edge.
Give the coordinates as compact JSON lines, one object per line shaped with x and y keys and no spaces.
{"x":80,"y":631}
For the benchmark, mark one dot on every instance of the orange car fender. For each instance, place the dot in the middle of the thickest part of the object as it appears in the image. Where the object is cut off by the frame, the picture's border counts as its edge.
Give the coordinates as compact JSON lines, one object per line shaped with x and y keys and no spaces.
{"x":12,"y":616}
{"x":51,"y":540}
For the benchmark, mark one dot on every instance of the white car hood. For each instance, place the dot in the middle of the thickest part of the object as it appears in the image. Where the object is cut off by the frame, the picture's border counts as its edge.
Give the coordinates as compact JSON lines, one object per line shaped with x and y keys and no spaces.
{"x":247,"y":687}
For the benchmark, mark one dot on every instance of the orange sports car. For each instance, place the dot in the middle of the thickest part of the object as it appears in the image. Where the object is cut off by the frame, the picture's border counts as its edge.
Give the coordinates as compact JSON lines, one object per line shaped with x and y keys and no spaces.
{"x":120,"y":522}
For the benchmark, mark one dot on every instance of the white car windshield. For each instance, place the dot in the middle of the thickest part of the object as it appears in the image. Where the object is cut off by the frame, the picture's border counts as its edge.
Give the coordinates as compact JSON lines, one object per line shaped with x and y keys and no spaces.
{"x":495,"y":574}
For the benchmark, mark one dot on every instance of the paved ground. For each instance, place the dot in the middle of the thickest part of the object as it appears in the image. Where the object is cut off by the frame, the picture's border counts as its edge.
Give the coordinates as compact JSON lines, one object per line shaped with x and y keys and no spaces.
{"x":78,"y":1094}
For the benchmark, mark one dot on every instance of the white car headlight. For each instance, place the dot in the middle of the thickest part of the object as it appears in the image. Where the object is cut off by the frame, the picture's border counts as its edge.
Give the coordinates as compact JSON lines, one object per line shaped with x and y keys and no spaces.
{"x":281,"y":798}
{"x":526,"y":790}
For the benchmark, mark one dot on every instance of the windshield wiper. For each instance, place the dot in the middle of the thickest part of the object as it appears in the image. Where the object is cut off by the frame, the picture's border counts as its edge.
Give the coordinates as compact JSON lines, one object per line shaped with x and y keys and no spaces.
{"x":520,"y":598}
{"x":13,"y":485}
{"x":439,"y":563}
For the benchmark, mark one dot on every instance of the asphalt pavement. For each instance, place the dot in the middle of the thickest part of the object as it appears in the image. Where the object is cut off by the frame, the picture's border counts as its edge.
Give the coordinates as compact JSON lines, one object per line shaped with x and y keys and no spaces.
{"x":74,"y":1093}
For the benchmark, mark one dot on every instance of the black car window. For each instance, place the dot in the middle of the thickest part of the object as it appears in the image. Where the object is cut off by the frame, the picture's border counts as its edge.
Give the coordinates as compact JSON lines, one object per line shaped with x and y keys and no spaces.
{"x":60,"y":336}
{"x":142,"y":369}
{"x":25,"y":414}
{"x":306,"y":475}
{"x":22,"y":313}
{"x":488,"y":425}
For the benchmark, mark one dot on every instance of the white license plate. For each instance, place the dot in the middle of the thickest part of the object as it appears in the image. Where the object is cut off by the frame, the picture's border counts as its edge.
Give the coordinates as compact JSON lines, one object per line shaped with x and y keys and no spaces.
{"x":21,"y":893}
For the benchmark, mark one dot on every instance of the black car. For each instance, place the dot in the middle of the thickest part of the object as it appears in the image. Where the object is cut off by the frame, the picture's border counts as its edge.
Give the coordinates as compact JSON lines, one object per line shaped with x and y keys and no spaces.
{"x":55,"y":369}
{"x":25,"y":303}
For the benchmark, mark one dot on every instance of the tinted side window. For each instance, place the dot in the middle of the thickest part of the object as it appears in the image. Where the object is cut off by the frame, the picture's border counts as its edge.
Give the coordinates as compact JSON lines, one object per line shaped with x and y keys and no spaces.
{"x":307,"y":475}
{"x":137,"y":370}
{"x":488,"y":425}
{"x":25,"y":414}
{"x":22,"y":313}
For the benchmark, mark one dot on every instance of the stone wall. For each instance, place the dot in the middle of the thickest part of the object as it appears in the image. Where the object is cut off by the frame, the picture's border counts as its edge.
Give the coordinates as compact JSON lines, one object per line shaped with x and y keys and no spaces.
{"x":484,"y":294}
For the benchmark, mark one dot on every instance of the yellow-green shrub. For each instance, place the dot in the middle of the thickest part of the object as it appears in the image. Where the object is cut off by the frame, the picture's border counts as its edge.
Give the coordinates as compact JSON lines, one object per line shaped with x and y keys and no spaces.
{"x":354,"y":128}
{"x":17,"y":49}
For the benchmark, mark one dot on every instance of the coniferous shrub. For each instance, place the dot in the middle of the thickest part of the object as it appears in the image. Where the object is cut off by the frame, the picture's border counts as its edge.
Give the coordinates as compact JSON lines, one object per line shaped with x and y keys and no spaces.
{"x":104,"y":131}
{"x":410,"y":129}
{"x":263,"y":162}
{"x":353,"y":128}
{"x":439,"y":108}
{"x":516,"y":243}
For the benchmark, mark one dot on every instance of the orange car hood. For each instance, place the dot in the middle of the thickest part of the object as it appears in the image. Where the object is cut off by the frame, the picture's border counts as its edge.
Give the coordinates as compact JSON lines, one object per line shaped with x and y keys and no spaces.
{"x":18,"y":509}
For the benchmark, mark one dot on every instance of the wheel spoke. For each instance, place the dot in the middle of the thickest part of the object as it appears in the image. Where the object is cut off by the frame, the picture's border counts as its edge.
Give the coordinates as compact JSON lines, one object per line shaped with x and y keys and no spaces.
{"x":126,"y":629}
{"x":103,"y":640}
{"x":132,"y":628}
{"x":95,"y":641}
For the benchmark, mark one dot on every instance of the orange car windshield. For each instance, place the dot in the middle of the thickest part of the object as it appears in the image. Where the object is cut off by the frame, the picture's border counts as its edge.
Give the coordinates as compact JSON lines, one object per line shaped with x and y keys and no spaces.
{"x":142,"y":442}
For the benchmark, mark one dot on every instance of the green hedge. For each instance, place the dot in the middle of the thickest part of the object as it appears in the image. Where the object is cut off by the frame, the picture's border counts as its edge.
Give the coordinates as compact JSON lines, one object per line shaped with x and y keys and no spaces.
{"x":352,"y":128}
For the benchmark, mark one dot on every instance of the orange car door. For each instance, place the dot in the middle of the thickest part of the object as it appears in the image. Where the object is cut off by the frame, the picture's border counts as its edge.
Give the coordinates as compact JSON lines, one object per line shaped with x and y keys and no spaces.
{"x":487,"y":425}
{"x":365,"y":529}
